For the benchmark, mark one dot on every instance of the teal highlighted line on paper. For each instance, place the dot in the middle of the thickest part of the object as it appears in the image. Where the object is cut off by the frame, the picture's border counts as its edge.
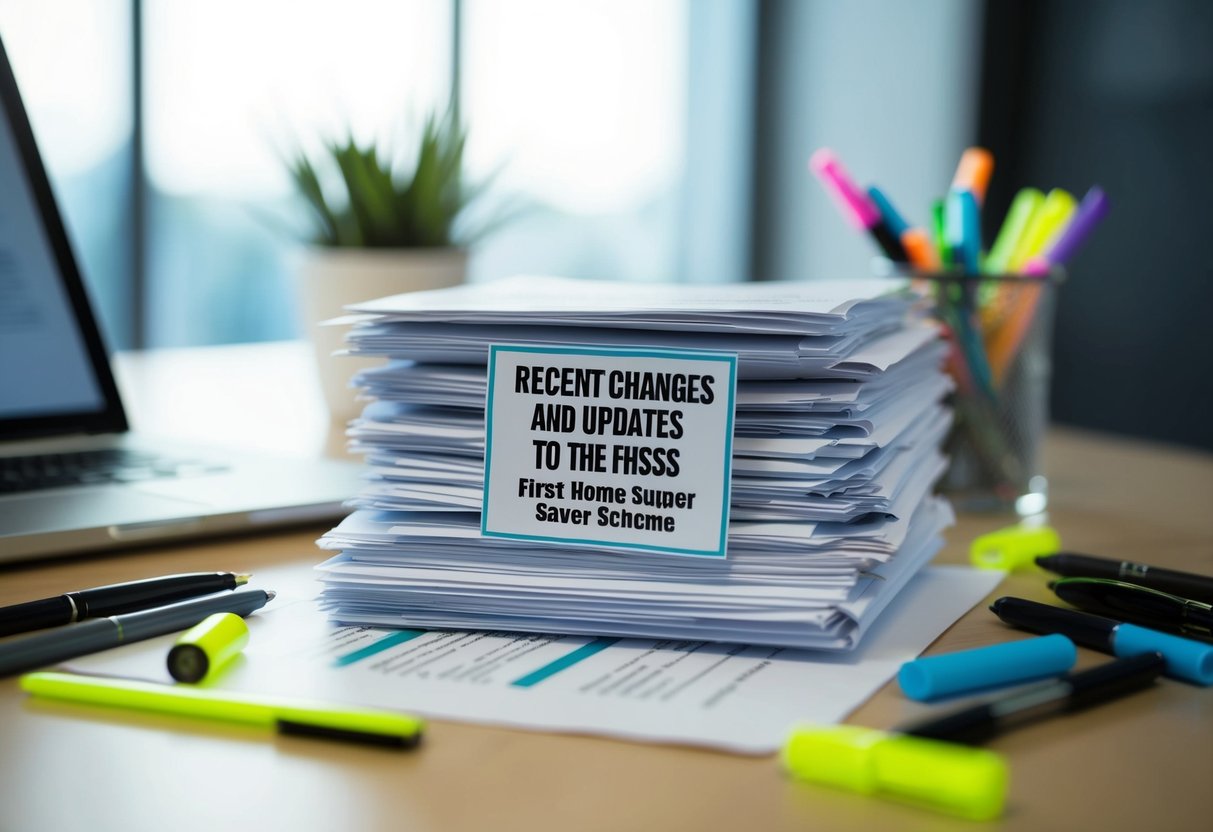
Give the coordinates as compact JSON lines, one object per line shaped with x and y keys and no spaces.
{"x":567,"y":660}
{"x":377,"y":646}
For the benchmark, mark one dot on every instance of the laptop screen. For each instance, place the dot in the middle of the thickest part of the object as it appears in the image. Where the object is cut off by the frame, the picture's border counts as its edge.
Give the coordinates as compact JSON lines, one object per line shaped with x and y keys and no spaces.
{"x":54,"y":377}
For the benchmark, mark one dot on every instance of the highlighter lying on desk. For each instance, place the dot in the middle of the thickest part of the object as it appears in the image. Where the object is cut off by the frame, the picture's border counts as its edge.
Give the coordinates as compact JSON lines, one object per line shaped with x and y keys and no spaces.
{"x":310,"y":719}
{"x":956,"y":779}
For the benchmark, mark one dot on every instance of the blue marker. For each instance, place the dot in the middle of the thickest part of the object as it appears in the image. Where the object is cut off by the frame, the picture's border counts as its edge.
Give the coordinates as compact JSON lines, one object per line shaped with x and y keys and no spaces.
{"x":984,"y":668}
{"x":892,"y":218}
{"x":962,"y":230}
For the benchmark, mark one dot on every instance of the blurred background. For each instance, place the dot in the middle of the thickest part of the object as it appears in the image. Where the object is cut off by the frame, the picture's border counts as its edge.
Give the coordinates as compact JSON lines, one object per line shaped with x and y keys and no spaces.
{"x":651,"y":140}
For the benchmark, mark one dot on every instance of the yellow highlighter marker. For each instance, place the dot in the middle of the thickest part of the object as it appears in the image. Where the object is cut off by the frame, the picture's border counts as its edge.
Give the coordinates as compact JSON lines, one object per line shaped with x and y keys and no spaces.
{"x":1046,"y":223}
{"x":1019,"y":217}
{"x":202,"y":652}
{"x":956,"y":779}
{"x":1015,"y":547}
{"x":300,"y":717}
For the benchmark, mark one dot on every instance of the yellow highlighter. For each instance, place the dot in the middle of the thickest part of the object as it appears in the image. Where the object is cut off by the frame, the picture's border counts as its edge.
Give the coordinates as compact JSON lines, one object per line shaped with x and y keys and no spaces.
{"x":303,"y":718}
{"x":943,"y":776}
{"x":1046,"y":223}
{"x":1014,"y":547}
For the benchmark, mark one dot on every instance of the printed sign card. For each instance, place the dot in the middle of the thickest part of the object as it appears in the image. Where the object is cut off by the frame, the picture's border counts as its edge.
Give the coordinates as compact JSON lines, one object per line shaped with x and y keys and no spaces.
{"x":626,"y":447}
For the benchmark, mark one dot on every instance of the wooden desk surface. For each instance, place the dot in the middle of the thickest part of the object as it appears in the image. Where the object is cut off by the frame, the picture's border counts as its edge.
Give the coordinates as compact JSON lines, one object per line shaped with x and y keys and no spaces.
{"x":1145,"y":762}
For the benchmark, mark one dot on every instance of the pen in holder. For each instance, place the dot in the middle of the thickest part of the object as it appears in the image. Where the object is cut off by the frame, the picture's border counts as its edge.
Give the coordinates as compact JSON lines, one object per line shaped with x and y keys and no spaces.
{"x":1000,"y":328}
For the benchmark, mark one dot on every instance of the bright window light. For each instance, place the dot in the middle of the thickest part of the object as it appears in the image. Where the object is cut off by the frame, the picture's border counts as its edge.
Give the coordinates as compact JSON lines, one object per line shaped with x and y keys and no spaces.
{"x":582,"y":104}
{"x":231,"y":83}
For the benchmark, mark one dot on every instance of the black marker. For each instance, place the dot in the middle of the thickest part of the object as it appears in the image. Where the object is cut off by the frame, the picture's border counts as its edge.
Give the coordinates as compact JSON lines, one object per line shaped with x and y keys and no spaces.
{"x":1186,"y":659}
{"x":1183,"y":584}
{"x":1138,"y":604}
{"x":1069,"y":693}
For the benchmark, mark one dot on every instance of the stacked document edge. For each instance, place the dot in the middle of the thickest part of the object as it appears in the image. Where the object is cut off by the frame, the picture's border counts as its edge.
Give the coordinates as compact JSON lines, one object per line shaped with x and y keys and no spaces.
{"x":837,"y":433}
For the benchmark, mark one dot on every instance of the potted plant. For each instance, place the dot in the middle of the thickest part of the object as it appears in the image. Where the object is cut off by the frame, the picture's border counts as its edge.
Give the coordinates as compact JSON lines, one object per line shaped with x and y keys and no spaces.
{"x":376,"y":230}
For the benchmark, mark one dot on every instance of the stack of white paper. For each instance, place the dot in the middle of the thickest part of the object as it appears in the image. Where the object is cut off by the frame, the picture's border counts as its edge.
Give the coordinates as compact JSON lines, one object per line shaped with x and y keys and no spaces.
{"x":837,"y":430}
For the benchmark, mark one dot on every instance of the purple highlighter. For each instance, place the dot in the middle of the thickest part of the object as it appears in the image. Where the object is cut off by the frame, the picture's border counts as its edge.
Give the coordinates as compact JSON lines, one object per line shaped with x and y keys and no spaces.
{"x":1090,"y":212}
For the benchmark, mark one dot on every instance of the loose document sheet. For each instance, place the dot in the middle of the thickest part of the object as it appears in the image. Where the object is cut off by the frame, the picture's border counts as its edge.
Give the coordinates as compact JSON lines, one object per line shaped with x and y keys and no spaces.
{"x":730,"y":697}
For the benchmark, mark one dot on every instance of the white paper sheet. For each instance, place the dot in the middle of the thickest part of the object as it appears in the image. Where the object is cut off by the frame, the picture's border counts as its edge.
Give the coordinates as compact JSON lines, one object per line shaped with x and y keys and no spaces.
{"x":730,"y":697}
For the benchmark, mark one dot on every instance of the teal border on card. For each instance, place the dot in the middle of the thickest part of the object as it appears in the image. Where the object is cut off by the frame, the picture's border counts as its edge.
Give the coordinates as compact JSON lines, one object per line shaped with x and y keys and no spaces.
{"x":693,"y":355}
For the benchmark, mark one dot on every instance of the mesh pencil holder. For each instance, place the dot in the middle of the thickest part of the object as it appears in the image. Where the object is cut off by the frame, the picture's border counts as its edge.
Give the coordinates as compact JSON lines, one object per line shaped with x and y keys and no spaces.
{"x":1000,"y":332}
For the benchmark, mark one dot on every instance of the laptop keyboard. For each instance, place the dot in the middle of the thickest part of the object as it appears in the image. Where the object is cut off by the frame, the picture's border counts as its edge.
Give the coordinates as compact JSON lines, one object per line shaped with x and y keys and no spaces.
{"x":42,"y":471}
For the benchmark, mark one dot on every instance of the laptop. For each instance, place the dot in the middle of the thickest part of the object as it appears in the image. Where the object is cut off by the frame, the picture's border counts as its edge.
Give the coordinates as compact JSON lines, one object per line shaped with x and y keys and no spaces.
{"x":73,"y":477}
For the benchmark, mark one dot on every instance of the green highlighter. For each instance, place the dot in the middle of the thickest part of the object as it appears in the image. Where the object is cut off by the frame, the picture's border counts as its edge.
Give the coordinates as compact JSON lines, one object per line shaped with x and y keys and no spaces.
{"x":312,"y":719}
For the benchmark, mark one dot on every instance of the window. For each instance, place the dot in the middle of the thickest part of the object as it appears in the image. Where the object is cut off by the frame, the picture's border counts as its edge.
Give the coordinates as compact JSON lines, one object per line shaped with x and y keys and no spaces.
{"x":223,"y":101}
{"x":582,"y":108}
{"x":183,"y":217}
{"x":72,"y":59}
{"x":577,"y":111}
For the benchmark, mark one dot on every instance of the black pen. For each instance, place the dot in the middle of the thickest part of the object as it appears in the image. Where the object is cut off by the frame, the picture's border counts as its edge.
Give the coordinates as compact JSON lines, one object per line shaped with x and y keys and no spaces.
{"x":39,"y":649}
{"x":114,"y":599}
{"x":1069,"y":693}
{"x":1137,"y":604}
{"x":1183,"y":584}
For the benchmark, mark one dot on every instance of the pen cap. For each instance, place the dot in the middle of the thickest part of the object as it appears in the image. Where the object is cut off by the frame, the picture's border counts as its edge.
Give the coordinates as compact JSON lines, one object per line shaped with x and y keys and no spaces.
{"x":987,"y":667}
{"x":1014,"y":547}
{"x":204,"y":649}
{"x":1187,"y":660}
{"x":964,"y":781}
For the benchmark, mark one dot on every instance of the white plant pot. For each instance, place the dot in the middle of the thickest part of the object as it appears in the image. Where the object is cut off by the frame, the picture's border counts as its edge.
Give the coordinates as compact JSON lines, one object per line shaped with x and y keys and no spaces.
{"x":331,"y":279}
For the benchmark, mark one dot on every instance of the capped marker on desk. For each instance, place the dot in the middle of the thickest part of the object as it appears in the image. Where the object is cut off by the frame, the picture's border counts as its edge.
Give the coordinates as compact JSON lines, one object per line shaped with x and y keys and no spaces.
{"x":943,"y":776}
{"x":201,"y":653}
{"x":1075,"y":565}
{"x":1013,"y":547}
{"x":985,"y":668}
{"x":1187,"y":660}
{"x":1072,"y":692}
{"x":1137,"y":605}
{"x":287,"y":716}
{"x":856,"y":205}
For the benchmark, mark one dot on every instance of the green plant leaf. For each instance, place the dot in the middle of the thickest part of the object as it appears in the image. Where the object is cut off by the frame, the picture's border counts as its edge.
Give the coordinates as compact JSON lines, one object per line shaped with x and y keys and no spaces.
{"x":379,"y":207}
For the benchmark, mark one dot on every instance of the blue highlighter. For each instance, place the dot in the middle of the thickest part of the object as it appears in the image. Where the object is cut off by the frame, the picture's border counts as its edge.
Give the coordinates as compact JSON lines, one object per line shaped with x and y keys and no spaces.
{"x":1187,"y":660}
{"x":984,"y":668}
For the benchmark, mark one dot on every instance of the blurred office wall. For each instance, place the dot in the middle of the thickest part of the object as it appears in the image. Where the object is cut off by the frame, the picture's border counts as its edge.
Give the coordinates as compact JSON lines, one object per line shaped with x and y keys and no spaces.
{"x":890,"y":86}
{"x":1119,"y":93}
